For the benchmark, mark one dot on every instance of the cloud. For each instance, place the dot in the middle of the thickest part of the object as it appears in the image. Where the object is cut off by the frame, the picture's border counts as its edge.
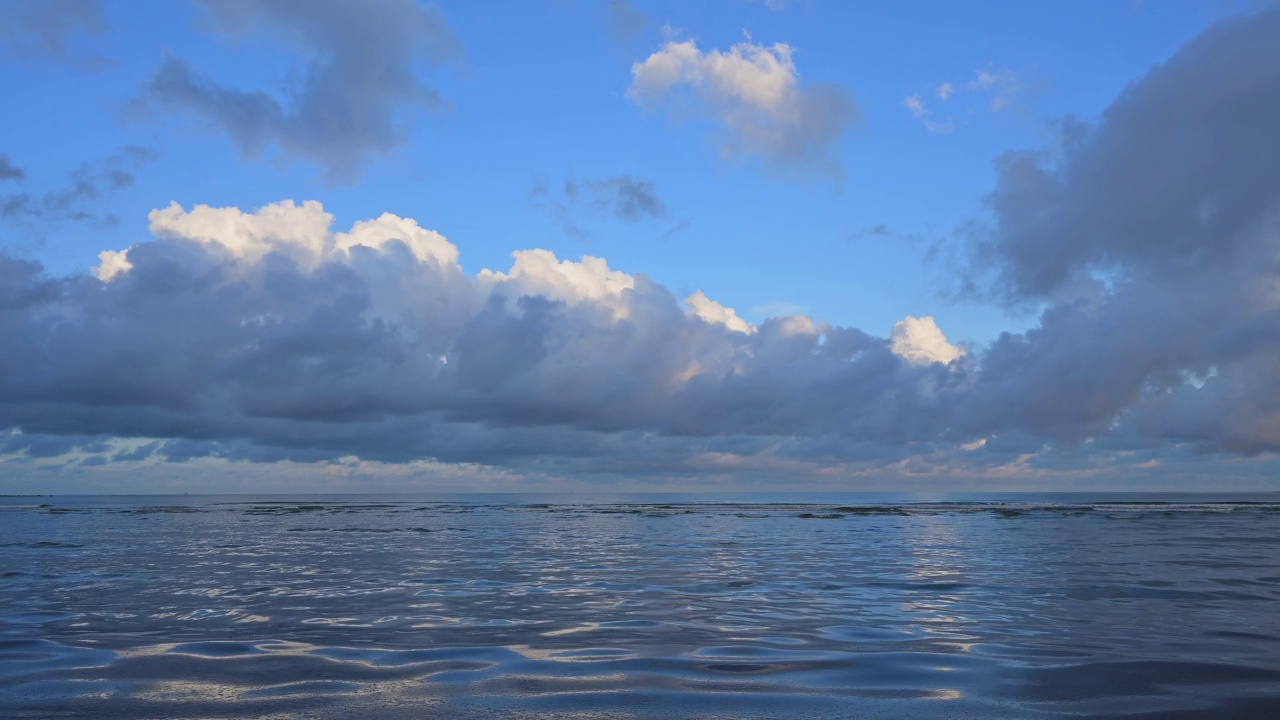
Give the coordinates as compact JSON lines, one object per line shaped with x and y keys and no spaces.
{"x":626,"y":22}
{"x":778,"y":308}
{"x":356,"y":98}
{"x":915,"y":104}
{"x":623,"y":197}
{"x":708,"y":310}
{"x":920,"y":341}
{"x":9,"y":171}
{"x":753,"y":92}
{"x":996,"y":89}
{"x":271,"y":336}
{"x":1150,"y":238}
{"x":883,"y":232}
{"x":1173,"y":177}
{"x":77,"y":201}
{"x":94,"y":181}
{"x":628,"y":198}
{"x":1001,"y":85}
{"x":36,"y":28}
{"x":676,"y":229}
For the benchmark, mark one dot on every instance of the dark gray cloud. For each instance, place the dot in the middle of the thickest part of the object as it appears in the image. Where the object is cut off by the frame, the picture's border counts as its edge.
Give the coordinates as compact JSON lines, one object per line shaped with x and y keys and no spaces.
{"x":41,"y":27}
{"x":1151,"y":237}
{"x":9,"y":171}
{"x":1168,"y":181}
{"x":361,"y":86}
{"x":47,"y":446}
{"x":79,"y":199}
{"x":268,"y":337}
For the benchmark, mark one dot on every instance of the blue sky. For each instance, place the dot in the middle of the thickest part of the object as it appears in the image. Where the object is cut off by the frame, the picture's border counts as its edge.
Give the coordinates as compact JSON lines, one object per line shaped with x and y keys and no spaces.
{"x":879,"y":204}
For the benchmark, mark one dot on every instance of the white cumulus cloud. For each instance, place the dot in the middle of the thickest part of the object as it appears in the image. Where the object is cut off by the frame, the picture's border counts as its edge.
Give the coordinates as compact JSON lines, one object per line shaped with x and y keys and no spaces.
{"x":713,"y":312}
{"x":920,"y":341}
{"x":754,"y":92}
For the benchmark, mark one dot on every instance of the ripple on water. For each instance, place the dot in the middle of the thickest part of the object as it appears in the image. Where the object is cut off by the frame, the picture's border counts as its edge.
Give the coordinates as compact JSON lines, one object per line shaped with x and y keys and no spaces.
{"x":32,"y":656}
{"x":218,"y":649}
{"x":37,"y":617}
{"x":645,"y":610}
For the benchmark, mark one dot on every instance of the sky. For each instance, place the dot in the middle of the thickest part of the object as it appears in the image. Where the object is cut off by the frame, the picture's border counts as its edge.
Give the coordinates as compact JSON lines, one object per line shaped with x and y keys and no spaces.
{"x":315,"y":245}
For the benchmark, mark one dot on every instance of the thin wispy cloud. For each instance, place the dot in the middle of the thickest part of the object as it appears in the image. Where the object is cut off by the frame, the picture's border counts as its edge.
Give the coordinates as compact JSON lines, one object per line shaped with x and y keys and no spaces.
{"x":990,"y":90}
{"x":627,"y":23}
{"x":916,"y":105}
{"x":778,"y":308}
{"x":79,"y":197}
{"x":32,"y":28}
{"x":623,"y":197}
{"x":1001,"y":86}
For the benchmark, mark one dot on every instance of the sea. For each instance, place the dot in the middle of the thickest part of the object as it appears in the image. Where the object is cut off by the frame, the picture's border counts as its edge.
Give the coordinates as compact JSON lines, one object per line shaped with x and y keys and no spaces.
{"x":641,"y":606}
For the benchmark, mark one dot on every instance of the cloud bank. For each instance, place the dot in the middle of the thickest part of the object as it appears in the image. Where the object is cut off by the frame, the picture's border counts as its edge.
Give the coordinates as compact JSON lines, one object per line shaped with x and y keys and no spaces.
{"x":1150,"y":239}
{"x":270,"y":335}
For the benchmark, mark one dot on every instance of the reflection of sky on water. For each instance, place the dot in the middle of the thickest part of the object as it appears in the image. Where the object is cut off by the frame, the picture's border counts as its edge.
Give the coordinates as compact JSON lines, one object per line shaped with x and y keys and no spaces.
{"x":241,"y":607}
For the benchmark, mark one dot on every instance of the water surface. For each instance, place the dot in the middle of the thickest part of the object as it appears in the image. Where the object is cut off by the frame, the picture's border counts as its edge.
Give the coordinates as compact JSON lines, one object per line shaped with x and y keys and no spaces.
{"x":1022,"y":606}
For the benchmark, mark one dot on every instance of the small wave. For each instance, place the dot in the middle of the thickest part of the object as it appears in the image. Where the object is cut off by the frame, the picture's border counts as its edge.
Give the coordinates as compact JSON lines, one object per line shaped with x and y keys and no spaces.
{"x":43,"y":545}
{"x":871,"y":510}
{"x":371,"y":530}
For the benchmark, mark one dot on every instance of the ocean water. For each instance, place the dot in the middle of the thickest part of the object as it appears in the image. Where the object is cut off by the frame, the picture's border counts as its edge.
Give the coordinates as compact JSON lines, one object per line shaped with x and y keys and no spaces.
{"x":849,"y":606}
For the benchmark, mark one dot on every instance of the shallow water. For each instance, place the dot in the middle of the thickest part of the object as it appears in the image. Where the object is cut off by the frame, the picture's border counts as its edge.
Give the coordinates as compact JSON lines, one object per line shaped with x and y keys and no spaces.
{"x":640,"y":607}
